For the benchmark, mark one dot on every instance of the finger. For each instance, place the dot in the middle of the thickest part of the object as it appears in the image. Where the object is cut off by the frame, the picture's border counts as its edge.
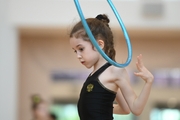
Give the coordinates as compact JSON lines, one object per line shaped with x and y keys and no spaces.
{"x":140,"y":60}
{"x":137,"y":65}
{"x":138,"y":74}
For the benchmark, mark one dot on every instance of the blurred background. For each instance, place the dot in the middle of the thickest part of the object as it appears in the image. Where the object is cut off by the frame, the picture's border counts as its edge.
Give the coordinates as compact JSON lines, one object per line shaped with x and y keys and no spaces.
{"x":36,"y":58}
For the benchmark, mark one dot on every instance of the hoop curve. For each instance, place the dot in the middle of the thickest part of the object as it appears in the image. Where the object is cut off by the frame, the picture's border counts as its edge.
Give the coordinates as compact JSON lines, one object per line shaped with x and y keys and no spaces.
{"x":94,"y":42}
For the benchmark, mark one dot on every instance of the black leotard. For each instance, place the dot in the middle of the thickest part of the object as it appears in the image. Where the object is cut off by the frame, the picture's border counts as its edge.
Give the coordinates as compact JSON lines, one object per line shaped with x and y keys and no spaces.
{"x":96,"y":101}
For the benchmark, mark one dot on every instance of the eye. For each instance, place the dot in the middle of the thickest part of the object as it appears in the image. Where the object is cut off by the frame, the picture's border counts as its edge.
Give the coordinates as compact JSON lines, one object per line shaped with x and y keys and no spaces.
{"x":75,"y":51}
{"x":81,"y":49}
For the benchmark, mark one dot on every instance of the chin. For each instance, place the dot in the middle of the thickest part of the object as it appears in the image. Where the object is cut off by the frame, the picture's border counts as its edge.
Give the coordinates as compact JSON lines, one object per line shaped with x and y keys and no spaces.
{"x":88,"y":66}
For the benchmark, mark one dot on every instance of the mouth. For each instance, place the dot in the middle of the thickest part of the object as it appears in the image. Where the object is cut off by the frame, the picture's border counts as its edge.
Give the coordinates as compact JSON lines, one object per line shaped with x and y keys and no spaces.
{"x":82,"y":62}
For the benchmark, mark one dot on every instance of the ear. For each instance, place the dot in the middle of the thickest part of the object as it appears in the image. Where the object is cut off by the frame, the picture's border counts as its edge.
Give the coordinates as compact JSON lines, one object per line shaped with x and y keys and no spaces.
{"x":101,"y":43}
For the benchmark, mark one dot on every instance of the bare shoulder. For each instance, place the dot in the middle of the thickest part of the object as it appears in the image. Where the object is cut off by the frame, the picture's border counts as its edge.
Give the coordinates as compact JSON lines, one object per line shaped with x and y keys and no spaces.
{"x":118,"y":72}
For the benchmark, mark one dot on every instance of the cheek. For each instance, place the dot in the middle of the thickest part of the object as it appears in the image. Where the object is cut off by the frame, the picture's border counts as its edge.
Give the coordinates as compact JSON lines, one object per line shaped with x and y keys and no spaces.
{"x":92,"y":54}
{"x":42,"y":113}
{"x":42,"y":110}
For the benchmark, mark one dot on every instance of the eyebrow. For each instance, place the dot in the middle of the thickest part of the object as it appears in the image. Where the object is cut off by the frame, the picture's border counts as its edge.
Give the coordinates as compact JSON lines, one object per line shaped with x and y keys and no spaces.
{"x":77,"y":46}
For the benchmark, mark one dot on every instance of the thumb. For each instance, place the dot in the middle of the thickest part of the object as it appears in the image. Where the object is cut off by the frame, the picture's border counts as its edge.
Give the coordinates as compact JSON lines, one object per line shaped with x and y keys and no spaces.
{"x":138,"y":73}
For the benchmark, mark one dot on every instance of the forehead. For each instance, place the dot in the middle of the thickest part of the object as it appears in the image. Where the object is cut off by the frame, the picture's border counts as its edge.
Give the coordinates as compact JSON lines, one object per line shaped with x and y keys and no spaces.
{"x":42,"y":105}
{"x":78,"y":41}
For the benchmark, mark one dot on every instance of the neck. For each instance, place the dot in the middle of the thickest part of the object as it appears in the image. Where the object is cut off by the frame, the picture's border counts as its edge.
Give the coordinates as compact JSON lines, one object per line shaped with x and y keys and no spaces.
{"x":99,"y":63}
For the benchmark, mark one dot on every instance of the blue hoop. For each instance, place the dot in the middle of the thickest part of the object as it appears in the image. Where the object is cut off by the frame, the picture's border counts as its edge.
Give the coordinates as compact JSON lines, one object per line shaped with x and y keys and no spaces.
{"x":94,"y":42}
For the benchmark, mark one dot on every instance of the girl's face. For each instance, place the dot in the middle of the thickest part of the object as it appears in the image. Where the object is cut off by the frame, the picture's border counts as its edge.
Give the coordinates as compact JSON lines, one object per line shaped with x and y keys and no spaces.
{"x":41,"y":111}
{"x":85,"y":52}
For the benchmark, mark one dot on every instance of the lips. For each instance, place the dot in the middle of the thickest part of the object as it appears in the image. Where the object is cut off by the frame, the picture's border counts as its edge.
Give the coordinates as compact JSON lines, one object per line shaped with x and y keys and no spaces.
{"x":82,"y":62}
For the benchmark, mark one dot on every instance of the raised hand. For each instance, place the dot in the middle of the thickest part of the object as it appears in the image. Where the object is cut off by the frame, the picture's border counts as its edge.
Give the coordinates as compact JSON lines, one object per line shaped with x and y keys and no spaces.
{"x":143,"y":72}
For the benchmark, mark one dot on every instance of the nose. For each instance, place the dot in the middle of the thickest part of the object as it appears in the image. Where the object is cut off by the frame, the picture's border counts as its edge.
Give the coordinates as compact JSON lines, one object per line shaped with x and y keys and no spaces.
{"x":79,"y":56}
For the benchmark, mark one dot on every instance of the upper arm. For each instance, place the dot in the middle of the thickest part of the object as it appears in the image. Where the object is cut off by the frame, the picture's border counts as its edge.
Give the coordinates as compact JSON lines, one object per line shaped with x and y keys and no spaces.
{"x":123,"y":83}
{"x":123,"y":107}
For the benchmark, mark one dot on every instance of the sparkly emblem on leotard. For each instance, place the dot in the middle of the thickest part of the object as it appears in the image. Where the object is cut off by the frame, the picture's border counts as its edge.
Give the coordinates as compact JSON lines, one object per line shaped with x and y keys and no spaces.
{"x":90,"y":87}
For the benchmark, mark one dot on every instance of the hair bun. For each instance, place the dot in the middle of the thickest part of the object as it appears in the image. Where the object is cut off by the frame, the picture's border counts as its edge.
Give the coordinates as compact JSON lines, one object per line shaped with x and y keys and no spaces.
{"x":104,"y":18}
{"x":36,"y":99}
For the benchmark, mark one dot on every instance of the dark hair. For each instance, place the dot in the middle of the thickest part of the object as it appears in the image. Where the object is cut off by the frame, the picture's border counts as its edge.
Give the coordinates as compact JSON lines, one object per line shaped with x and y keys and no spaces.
{"x":36,"y":100}
{"x":100,"y":29}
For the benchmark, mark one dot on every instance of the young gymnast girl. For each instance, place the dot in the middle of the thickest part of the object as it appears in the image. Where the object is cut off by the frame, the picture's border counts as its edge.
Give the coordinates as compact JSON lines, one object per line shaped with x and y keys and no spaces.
{"x":106,"y":83}
{"x":39,"y":108}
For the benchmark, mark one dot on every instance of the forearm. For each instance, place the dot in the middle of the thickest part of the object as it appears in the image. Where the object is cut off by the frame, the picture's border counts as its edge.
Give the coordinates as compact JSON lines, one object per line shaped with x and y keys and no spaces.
{"x":140,"y":101}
